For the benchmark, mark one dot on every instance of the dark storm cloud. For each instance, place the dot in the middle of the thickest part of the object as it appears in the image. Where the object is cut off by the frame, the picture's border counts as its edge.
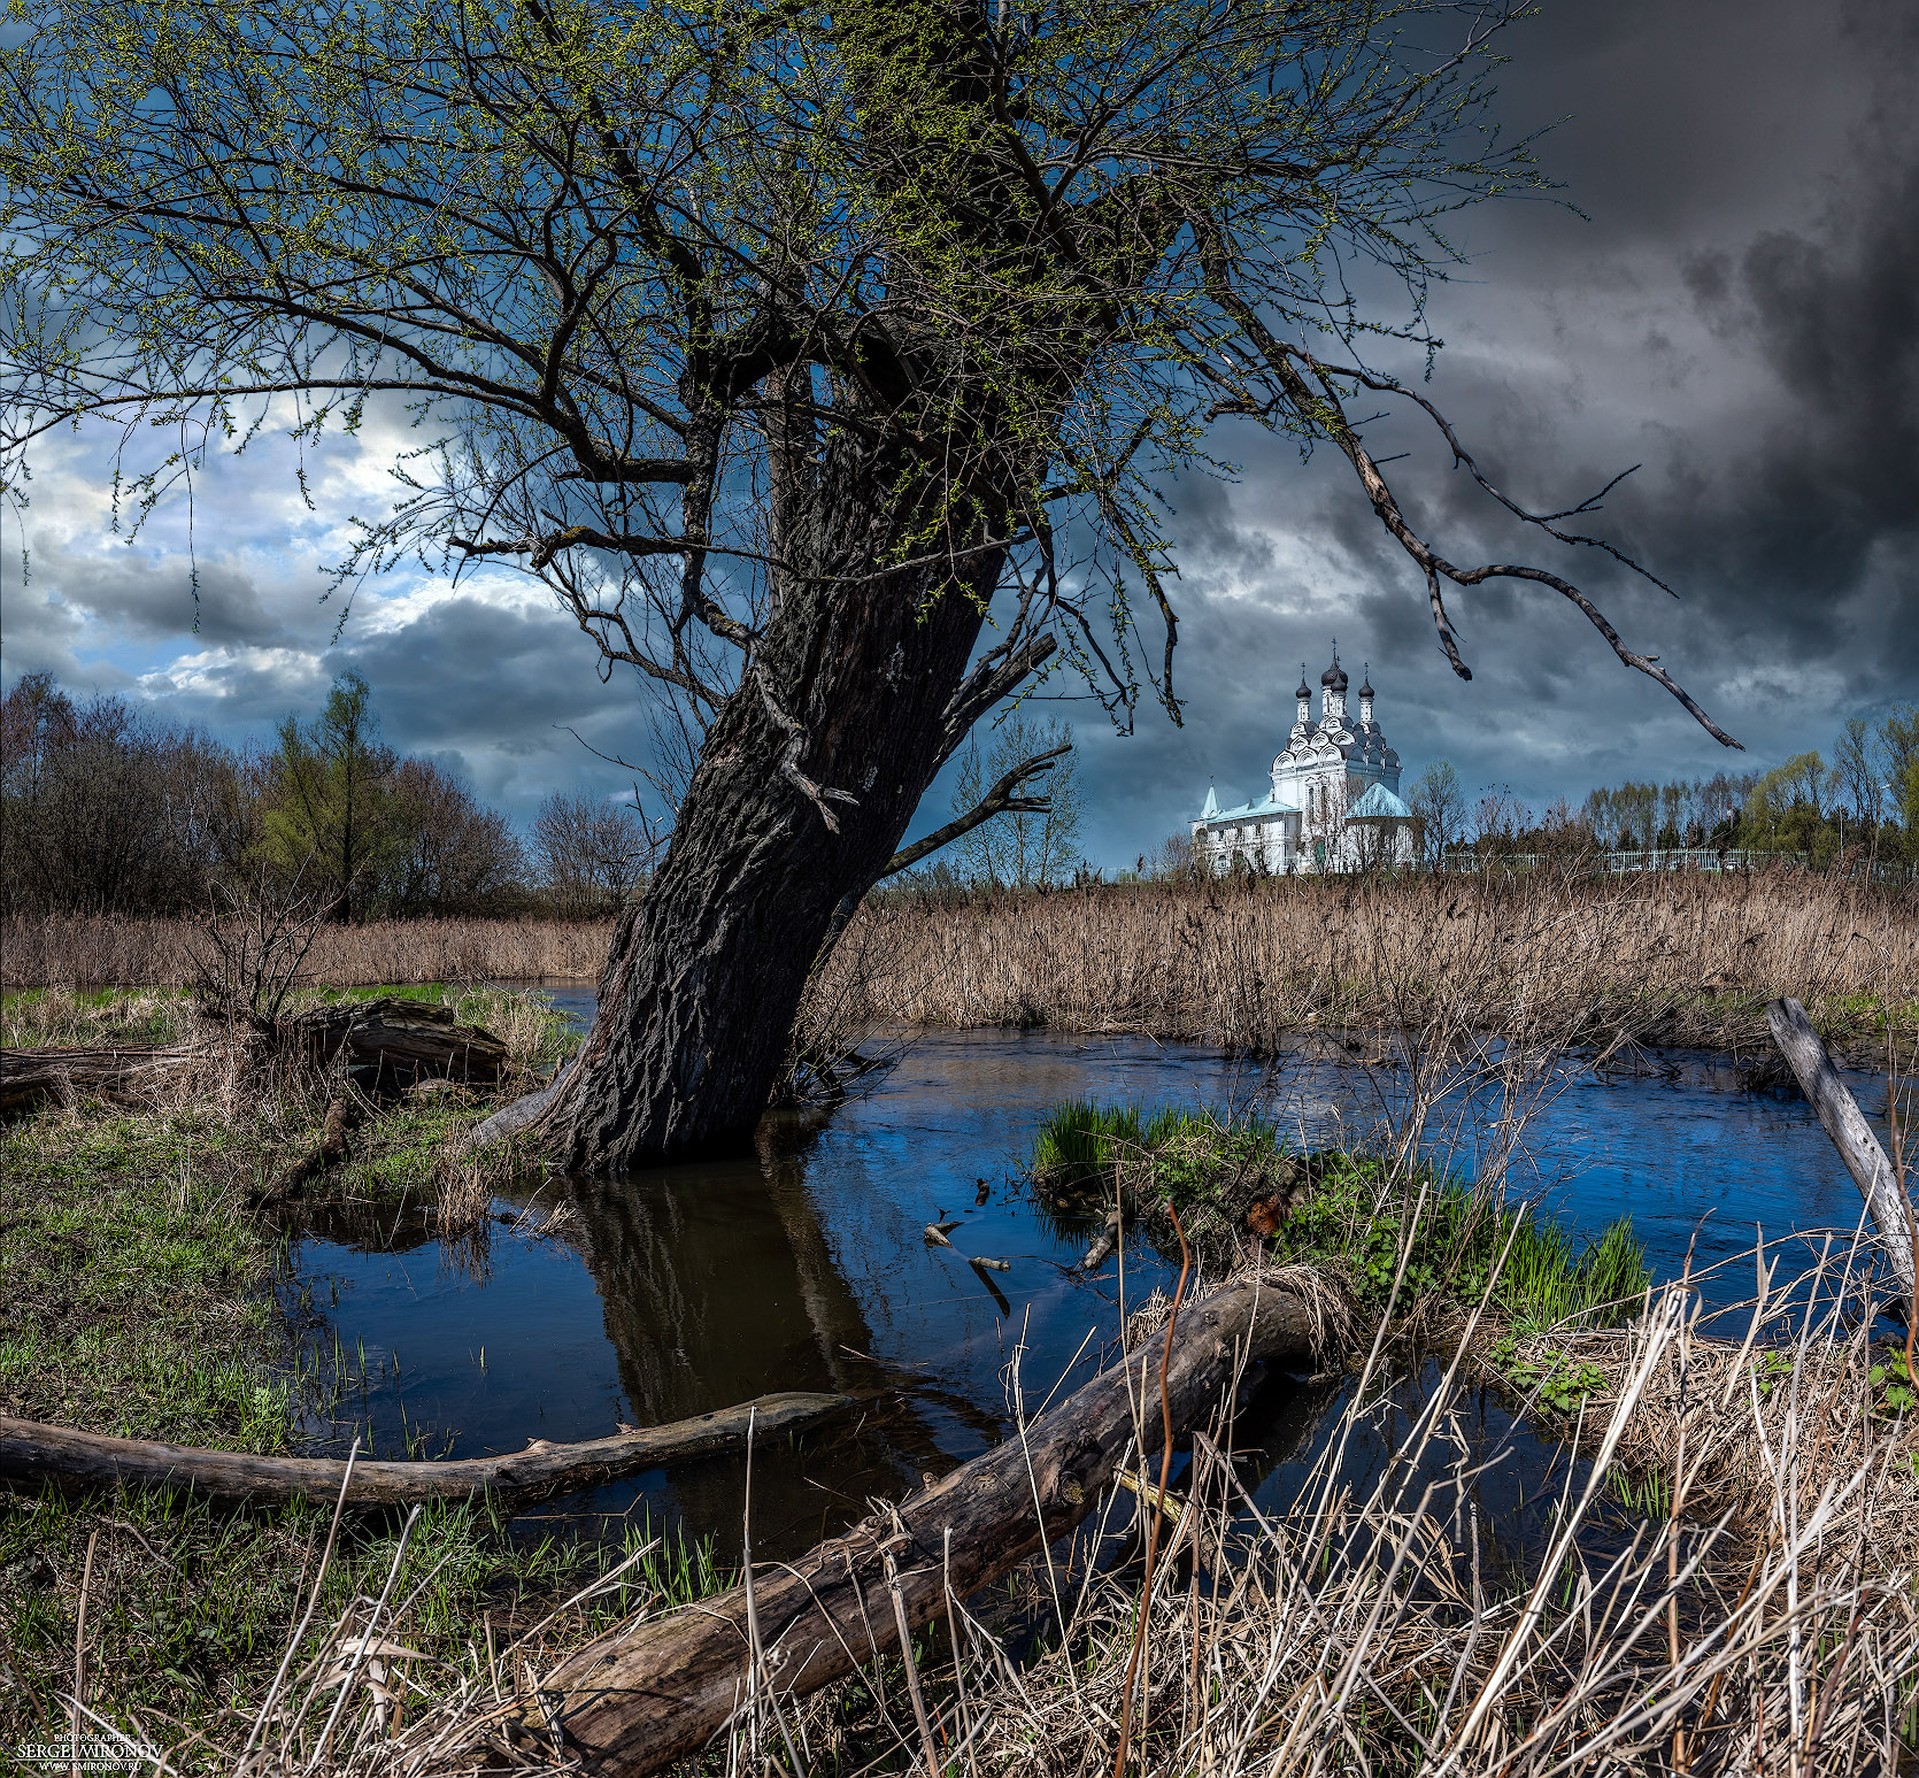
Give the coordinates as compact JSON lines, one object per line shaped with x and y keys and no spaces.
{"x":38,"y":633}
{"x":1753,"y":266}
{"x":1738,"y":312}
{"x":501,"y":687}
{"x":1834,"y":311}
{"x":488,"y":689}
{"x":133,"y":594}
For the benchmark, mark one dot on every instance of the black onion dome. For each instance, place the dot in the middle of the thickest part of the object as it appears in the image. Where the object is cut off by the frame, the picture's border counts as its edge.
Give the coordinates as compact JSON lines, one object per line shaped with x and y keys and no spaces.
{"x":1305,"y":690}
{"x":1366,"y":684}
{"x":1334,"y":678}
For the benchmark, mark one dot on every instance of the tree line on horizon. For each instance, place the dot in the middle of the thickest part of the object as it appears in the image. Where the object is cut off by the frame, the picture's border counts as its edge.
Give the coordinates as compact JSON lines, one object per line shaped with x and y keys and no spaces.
{"x":106,"y":809}
{"x":1862,"y":807}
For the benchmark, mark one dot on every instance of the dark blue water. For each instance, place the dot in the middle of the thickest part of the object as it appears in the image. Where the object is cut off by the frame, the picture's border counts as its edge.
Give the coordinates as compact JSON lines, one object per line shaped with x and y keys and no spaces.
{"x":806,"y":1267}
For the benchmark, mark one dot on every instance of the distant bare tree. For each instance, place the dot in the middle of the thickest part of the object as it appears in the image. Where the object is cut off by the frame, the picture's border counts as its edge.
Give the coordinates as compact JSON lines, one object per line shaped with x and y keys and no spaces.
{"x":94,"y":805}
{"x":1035,"y":837}
{"x":592,"y":854}
{"x":1497,"y":817}
{"x":451,"y":854}
{"x":1173,"y":859}
{"x":1857,"y":771}
{"x":1438,"y":802}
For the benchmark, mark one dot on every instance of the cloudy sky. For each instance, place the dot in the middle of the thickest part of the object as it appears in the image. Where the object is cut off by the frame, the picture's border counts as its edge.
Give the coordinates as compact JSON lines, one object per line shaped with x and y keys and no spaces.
{"x":1737,"y":311}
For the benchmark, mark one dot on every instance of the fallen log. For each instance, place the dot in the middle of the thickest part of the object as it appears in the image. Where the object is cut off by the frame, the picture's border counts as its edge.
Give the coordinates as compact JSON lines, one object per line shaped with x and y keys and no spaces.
{"x":30,"y":1077}
{"x":342,"y":1117}
{"x":33,"y":1454}
{"x":399,"y":1041}
{"x":637,"y":1699}
{"x":1887,"y":1206}
{"x":402,"y":1040}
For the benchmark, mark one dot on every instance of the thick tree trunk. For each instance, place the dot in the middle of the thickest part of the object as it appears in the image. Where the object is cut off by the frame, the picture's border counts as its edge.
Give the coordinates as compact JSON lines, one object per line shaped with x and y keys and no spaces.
{"x":705,"y":976}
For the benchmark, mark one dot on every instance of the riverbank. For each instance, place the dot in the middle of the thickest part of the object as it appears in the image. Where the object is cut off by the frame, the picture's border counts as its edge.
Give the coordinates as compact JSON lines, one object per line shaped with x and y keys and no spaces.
{"x":775,"y":1263}
{"x":144,"y":1292}
{"x":1723,"y":1582}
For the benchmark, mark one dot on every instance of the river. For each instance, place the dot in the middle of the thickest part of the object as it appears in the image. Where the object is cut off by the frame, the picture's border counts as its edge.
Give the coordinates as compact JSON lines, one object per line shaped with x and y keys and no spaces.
{"x":806,"y":1268}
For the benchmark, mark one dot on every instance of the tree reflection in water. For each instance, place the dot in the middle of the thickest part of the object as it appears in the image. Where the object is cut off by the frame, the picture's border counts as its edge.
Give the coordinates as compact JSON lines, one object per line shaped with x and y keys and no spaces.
{"x":718,"y":1285}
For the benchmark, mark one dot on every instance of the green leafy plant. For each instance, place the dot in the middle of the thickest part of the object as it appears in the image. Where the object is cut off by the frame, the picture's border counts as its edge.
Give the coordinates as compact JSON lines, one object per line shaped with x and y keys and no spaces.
{"x":1894,"y":1387}
{"x":1551,"y":1377}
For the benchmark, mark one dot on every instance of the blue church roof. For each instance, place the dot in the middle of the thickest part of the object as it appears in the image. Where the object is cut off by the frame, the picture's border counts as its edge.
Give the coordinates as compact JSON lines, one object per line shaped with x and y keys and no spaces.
{"x":1379,"y":804}
{"x":1265,"y":805}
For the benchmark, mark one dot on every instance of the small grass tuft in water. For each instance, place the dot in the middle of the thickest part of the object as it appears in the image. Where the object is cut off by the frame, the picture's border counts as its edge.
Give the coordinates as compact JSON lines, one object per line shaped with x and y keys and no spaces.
{"x":1080,"y":1144}
{"x":1235,"y":1183}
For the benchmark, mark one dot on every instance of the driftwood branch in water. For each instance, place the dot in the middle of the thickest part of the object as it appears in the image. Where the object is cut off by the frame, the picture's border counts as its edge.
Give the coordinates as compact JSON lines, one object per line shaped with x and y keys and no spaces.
{"x":636,"y":1700}
{"x":402,"y":1040}
{"x":1886,"y":1203}
{"x":1103,"y":1244}
{"x":33,"y":1454}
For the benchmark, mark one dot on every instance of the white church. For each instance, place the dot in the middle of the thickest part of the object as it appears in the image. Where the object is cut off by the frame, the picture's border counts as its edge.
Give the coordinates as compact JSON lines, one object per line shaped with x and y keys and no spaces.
{"x":1333,"y":804}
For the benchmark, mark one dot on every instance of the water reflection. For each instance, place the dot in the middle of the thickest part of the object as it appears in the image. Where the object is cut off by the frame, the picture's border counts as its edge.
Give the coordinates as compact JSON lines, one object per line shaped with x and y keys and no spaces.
{"x":717,"y":1285}
{"x":806,"y":1268}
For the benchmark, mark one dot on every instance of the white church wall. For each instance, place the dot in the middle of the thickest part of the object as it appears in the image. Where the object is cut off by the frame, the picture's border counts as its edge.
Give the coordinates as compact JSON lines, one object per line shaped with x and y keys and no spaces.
{"x":1323,"y":770}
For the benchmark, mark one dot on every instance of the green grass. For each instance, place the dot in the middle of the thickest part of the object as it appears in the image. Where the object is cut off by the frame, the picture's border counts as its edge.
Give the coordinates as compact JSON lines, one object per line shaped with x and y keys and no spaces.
{"x":47,"y":1018}
{"x":1081,"y":1143}
{"x":134,"y":1280}
{"x":1438,"y":1236}
{"x":138,"y":1297}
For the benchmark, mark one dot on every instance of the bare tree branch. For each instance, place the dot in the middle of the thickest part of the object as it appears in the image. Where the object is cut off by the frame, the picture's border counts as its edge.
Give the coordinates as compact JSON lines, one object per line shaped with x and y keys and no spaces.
{"x":999,"y":800}
{"x":815,"y":793}
{"x":1321,"y":409}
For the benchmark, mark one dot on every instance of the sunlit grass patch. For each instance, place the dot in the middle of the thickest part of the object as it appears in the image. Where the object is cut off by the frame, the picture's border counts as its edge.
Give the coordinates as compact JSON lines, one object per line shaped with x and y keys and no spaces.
{"x":190,"y":1608}
{"x":70,"y":1018}
{"x":136,"y":1280}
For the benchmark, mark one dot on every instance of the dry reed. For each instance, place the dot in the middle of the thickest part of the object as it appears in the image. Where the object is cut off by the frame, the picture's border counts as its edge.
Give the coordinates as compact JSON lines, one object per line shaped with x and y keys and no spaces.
{"x":1685,"y":959}
{"x":72,"y":951}
{"x":1682,"y":958}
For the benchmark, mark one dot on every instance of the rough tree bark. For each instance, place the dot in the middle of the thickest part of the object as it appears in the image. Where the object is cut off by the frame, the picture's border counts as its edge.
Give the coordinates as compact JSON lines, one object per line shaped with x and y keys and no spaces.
{"x":704,"y":976}
{"x":888,"y":536}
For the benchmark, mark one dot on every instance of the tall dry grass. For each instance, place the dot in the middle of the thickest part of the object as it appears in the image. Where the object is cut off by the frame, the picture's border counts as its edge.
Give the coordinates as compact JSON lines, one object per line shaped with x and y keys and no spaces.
{"x":73,"y":951}
{"x":1683,"y":959}
{"x":1726,"y":1584}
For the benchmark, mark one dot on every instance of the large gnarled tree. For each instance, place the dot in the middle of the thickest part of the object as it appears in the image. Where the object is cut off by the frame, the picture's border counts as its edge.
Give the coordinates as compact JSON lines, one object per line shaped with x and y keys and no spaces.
{"x":818,"y":357}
